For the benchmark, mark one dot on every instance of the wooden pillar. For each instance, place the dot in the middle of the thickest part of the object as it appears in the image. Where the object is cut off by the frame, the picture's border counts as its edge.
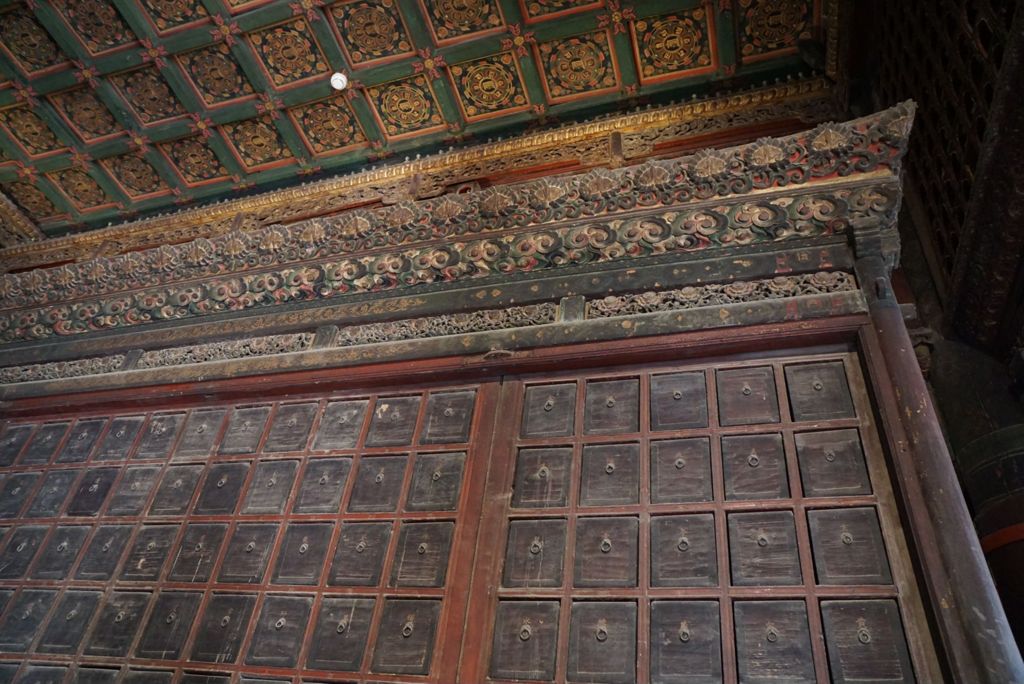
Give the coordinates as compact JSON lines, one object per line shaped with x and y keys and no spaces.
{"x":970,"y":616}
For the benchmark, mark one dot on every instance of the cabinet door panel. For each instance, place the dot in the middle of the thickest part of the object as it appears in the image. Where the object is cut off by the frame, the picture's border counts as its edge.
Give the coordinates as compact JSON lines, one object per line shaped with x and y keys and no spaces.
{"x":119,"y":439}
{"x":197,"y":552}
{"x":773,"y":642}
{"x":247,"y":554}
{"x":148,"y":553}
{"x":279,"y":631}
{"x":168,"y":626}
{"x":359,"y":558}
{"x":535,"y":553}
{"x":221,"y":488}
{"x":13,"y":441}
{"x":103,"y":553}
{"x":448,"y":417}
{"x":21,"y":548}
{"x":865,"y":642}
{"x":16,"y":490}
{"x":755,"y":467}
{"x":610,"y":475}
{"x":340,"y":634}
{"x":67,"y":626}
{"x":81,"y":441}
{"x":60,"y":552}
{"x":393,"y":421}
{"x":340,"y":425}
{"x":602,"y":643}
{"x":832,"y":463}
{"x":612,"y":407}
{"x":436,"y":482}
{"x":92,"y":491}
{"x":542,"y":478}
{"x":819,"y":391}
{"x":405,"y":637}
{"x":302,"y":554}
{"x":848,"y":548}
{"x":177,"y":486}
{"x":44,"y":443}
{"x":133,"y":490}
{"x":114,"y":630}
{"x":762,"y":548}
{"x":606,"y":552}
{"x":421,"y":557}
{"x":683,"y":551}
{"x":291,"y":426}
{"x":685,"y":642}
{"x":378,"y":484}
{"x":678,"y":401}
{"x":159,"y":435}
{"x":24,"y":618}
{"x":199,"y":434}
{"x":746,"y":396}
{"x":525,"y":640}
{"x":49,"y":500}
{"x":323,"y":483}
{"x":549,"y":410}
{"x":222,"y":628}
{"x":245,"y":428}
{"x":681,"y":471}
{"x":271,"y":484}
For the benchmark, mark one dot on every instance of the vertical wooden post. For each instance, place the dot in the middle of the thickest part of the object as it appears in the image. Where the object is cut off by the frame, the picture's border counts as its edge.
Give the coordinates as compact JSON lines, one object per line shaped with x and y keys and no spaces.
{"x":973,"y":625}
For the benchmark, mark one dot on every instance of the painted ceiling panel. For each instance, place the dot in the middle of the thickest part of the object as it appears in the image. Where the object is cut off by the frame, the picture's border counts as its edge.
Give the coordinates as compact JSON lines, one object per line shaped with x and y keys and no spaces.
{"x":113,"y":110}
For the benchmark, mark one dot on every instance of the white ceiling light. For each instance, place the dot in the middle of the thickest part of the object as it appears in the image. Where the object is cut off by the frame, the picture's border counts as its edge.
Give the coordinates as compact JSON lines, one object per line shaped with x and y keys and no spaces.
{"x":339,"y":80}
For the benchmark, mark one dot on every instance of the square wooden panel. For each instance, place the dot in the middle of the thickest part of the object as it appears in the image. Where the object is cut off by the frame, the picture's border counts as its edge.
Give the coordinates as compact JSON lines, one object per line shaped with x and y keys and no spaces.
{"x":677,"y":45}
{"x":215,"y":74}
{"x":578,"y":67}
{"x":195,"y":160}
{"x":525,"y":640}
{"x":257,"y":143}
{"x":549,"y":410}
{"x":602,"y":642}
{"x":819,"y":391}
{"x":289,"y":53}
{"x":406,"y":107}
{"x":371,"y":31}
{"x":865,"y":641}
{"x":148,"y":94}
{"x":489,"y":86}
{"x":43,"y":444}
{"x":686,"y":643}
{"x":773,"y":637}
{"x":81,"y":441}
{"x":328,"y":126}
{"x":746,"y":396}
{"x":678,"y":401}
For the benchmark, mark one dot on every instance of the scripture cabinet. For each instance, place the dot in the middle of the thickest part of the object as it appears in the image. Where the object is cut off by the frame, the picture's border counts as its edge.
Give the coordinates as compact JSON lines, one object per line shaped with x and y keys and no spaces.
{"x":717,"y":521}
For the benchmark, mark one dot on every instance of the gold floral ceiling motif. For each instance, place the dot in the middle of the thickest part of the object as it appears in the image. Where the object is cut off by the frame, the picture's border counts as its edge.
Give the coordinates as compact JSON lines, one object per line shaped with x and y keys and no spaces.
{"x":102,"y":79}
{"x":80,"y":188}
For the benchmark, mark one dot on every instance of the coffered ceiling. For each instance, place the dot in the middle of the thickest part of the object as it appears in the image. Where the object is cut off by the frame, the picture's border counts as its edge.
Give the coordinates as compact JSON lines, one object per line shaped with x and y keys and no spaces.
{"x":116,"y":109}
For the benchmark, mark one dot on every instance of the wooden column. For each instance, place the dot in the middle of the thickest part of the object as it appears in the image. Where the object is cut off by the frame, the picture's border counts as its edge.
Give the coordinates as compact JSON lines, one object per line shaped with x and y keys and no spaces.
{"x":970,"y":616}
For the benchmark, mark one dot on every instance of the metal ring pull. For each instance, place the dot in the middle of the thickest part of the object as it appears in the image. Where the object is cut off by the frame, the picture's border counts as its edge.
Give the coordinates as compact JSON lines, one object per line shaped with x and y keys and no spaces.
{"x":610,"y":468}
{"x":171,"y":617}
{"x":201,"y":428}
{"x":677,"y":395}
{"x":324,"y":479}
{"x":303,"y":547}
{"x":119,"y":434}
{"x":222,"y":481}
{"x":846,"y":538}
{"x":684,"y":544}
{"x":817,"y":385}
{"x":449,"y":412}
{"x":21,"y":547}
{"x":422,"y":548}
{"x":606,"y":545}
{"x":250,"y":547}
{"x":157,"y":429}
{"x":119,"y":617}
{"x":525,"y":632}
{"x":360,"y":547}
{"x":379,"y":478}
{"x":536,"y":546}
{"x":407,"y":629}
{"x":436,"y":475}
{"x":342,"y":626}
{"x":106,"y":545}
{"x":49,"y":437}
{"x":81,"y":436}
{"x":863,"y":635}
{"x":94,"y":486}
{"x":292,"y":422}
{"x":830,"y":456}
{"x":135,"y":486}
{"x":610,"y":402}
{"x":225,"y":621}
{"x":771,"y":634}
{"x":601,"y":633}
{"x":199,"y":546}
{"x":543,"y":472}
{"x":680,"y":464}
{"x":177,"y":484}
{"x":746,"y":390}
{"x":753,"y":460}
{"x":684,"y":632}
{"x":245,"y":425}
{"x":71,"y":614}
{"x":281,"y":622}
{"x":151,"y":546}
{"x":271,"y":482}
{"x":549,"y":404}
{"x":762,"y":540}
{"x":63,"y":546}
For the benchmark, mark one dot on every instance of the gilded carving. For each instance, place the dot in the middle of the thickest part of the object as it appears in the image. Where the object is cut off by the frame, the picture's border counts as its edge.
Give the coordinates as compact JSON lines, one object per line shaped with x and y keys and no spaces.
{"x":808,"y":100}
{"x":226,"y":349}
{"x":328,"y":125}
{"x":89,"y":117}
{"x":15,"y":227}
{"x":215,"y":72}
{"x":289,"y":52}
{"x":673,"y":43}
{"x":60,"y":369}
{"x":448,"y":324}
{"x":136,"y":175}
{"x":28,"y":41}
{"x":148,"y":94}
{"x":371,"y":30}
{"x":770,"y":25}
{"x":194,"y":159}
{"x":168,"y":14}
{"x":406,"y":106}
{"x":31,"y":131}
{"x":97,"y":22}
{"x":578,"y":65}
{"x":454,"y":18}
{"x":32,"y":200}
{"x":489,"y":85}
{"x":81,"y":188}
{"x":257,"y":141}
{"x":542,"y":8}
{"x":692,"y":297}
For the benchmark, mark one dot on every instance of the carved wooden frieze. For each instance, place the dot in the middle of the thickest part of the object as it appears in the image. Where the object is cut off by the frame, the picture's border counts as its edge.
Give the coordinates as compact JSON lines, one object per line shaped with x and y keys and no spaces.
{"x":813,"y":184}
